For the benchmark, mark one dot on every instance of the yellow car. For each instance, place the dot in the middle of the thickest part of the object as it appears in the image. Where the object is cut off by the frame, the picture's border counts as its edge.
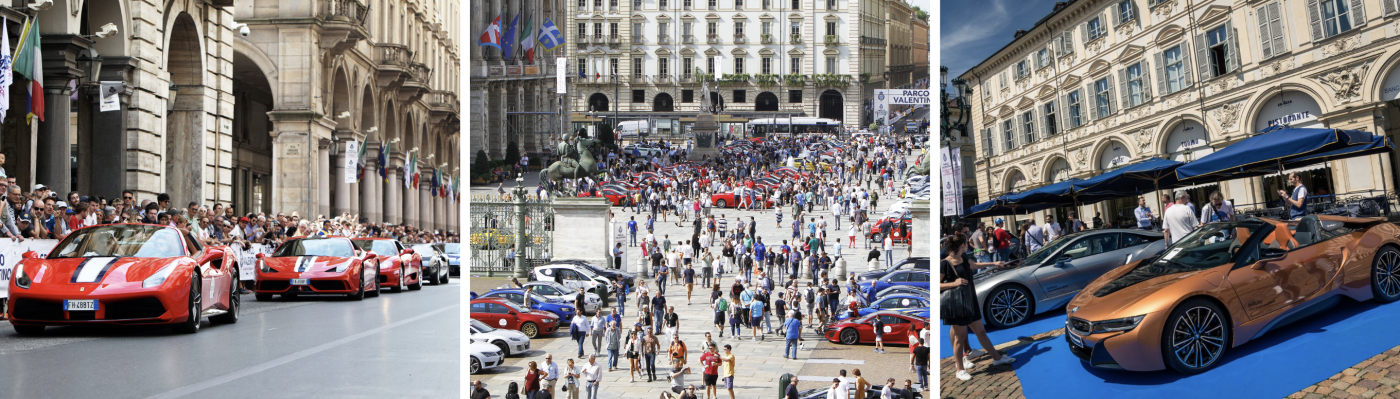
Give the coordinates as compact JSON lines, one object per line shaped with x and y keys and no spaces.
{"x":810,"y":166}
{"x":489,"y":239}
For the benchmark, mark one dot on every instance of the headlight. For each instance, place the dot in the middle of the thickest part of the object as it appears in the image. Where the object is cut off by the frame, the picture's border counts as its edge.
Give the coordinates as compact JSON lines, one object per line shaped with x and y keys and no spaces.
{"x":262,"y":267}
{"x":548,"y":320}
{"x":21,"y":278}
{"x":1124,"y":324}
{"x":158,"y":278}
{"x":341,"y":268}
{"x":568,"y":309}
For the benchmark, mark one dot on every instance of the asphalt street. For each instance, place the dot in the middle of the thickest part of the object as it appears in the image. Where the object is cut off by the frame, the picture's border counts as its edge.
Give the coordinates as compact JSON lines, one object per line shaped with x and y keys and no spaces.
{"x":396,"y":345}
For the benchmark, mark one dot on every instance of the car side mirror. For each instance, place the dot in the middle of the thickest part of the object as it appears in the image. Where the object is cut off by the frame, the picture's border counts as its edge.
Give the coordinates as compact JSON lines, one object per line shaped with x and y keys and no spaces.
{"x":30,"y":255}
{"x":259,"y":255}
{"x":212,"y":254}
{"x":408,"y":251}
{"x":370,"y":255}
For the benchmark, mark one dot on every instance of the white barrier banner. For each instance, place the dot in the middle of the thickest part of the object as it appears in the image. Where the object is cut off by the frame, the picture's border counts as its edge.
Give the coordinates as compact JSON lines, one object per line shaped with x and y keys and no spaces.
{"x":352,"y":162}
{"x":952,"y":181}
{"x":248,"y":260}
{"x":10,"y":255}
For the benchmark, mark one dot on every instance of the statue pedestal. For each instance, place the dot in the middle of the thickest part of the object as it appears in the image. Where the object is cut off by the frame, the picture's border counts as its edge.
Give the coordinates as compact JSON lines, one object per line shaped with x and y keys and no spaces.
{"x":581,"y":230}
{"x":705,"y":132}
{"x":922,"y":230}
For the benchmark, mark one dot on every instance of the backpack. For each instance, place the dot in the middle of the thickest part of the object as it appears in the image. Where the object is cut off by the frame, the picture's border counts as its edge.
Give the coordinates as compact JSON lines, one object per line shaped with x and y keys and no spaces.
{"x":723,"y":305}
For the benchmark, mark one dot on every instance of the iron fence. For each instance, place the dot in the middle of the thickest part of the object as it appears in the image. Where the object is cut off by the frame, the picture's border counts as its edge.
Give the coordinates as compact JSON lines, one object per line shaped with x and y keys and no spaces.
{"x":495,"y":224}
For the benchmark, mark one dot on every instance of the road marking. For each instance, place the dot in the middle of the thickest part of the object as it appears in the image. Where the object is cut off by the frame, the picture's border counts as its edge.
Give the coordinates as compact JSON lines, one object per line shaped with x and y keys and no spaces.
{"x":835,"y":361}
{"x":212,"y":382}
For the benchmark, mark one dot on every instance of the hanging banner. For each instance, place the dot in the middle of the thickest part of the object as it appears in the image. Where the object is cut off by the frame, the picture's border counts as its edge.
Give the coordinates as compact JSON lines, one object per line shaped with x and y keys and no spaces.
{"x":952,"y":180}
{"x":111,"y":96}
{"x":352,"y":161}
{"x":10,"y":255}
{"x":560,"y":83}
{"x":248,"y":259}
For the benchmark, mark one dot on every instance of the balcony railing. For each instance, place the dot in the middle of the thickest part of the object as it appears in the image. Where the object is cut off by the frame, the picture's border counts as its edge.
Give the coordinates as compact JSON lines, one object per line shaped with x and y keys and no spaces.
{"x":394,"y":54}
{"x":767,"y":39}
{"x":662,"y":78}
{"x":739,"y":39}
{"x":639,"y":39}
{"x":687,"y":78}
{"x":663,"y":39}
{"x":796,"y":39}
{"x":442,"y":98}
{"x":713,"y":39}
{"x":421,"y":72}
{"x":345,"y":10}
{"x":832,"y":40}
{"x":688,"y":39}
{"x":614,"y":39}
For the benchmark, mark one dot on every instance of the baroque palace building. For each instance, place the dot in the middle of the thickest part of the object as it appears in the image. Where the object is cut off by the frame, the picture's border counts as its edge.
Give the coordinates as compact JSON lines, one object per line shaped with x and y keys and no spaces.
{"x":1099,"y":84}
{"x":260,"y":120}
{"x":514,"y":100}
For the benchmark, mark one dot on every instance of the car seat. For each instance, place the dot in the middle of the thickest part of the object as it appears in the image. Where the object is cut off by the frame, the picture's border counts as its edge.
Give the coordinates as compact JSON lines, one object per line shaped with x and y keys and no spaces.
{"x":1308,"y":231}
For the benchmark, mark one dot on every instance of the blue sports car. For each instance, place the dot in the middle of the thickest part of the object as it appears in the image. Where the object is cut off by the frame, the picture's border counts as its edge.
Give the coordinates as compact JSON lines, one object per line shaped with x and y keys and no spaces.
{"x":564,"y":309}
{"x":914,"y":278}
{"x":891,"y":302}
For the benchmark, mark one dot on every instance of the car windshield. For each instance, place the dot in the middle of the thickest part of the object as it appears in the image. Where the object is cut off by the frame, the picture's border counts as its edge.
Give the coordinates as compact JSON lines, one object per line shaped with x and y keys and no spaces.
{"x":482,"y":327}
{"x":425,"y":249}
{"x":451,"y":249}
{"x":316,"y":247}
{"x":1212,"y":245}
{"x":121,"y":240}
{"x":1041,"y":255}
{"x":379,"y":247}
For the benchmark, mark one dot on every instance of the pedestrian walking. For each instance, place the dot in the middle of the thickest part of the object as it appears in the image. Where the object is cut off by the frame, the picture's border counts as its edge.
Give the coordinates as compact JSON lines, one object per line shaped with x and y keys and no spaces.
{"x":793,"y":327}
{"x":649,"y":348}
{"x":614,"y":341}
{"x":727,"y":374}
{"x":570,"y":380}
{"x":598,"y":328}
{"x":551,"y":374}
{"x":592,"y":375}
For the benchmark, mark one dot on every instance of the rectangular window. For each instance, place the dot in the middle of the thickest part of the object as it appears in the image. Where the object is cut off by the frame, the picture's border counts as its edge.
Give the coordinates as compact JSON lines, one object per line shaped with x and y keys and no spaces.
{"x":710,"y":66}
{"x":687,"y":4}
{"x":1022,"y":71}
{"x":767,"y":65}
{"x":612,"y":4}
{"x":1219,"y":53}
{"x":1028,"y":127}
{"x":582,"y":30}
{"x":637,"y":4}
{"x":598,"y":29}
{"x":638,"y":35}
{"x":796,"y":29}
{"x":663,"y":67}
{"x":1175,"y":69}
{"x":1076,"y":109}
{"x":663,"y":29}
{"x":1042,"y":58}
{"x":987,"y":142}
{"x":738,"y":66}
{"x":797,"y":4}
{"x":1336,"y":16}
{"x":830,"y":28}
{"x":612,"y":29}
{"x":739,"y":96}
{"x":685,"y":28}
{"x":712,"y":28}
{"x":796,"y":63}
{"x":714,"y":4}
{"x":637,"y":67}
{"x":1008,"y":134}
{"x":1103,"y":100}
{"x":639,"y":96}
{"x":738,"y":4}
{"x":831,"y":4}
{"x":661,"y":3}
{"x":1095,"y":28}
{"x":794,"y":96}
{"x":767,"y":28}
{"x":1271,"y":34}
{"x":687,"y":96}
{"x":582,"y":4}
{"x":613,"y":64}
{"x":1051,"y":125}
{"x":582,"y":66}
{"x":830,"y":64}
{"x":767,"y":4}
{"x":1125,"y":11}
{"x":1137,"y":93}
{"x":598,"y":4}
{"x":738,"y":29}
{"x":686,"y":66}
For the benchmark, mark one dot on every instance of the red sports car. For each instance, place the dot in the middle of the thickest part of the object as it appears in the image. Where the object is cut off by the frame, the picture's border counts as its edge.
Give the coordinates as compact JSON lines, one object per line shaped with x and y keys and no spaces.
{"x":125,"y":274}
{"x":727,"y":200}
{"x":317,"y":265}
{"x":861,"y":330}
{"x":399,"y":267}
{"x":504,"y":314}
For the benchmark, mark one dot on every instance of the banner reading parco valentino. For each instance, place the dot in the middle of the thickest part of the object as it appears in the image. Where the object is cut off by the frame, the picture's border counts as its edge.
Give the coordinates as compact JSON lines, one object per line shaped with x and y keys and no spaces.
{"x":884,"y":98}
{"x":952,"y":180}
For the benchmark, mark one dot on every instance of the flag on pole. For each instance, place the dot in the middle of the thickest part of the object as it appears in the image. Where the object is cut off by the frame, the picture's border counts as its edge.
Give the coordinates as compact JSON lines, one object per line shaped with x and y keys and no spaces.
{"x":383,"y":158}
{"x":529,"y":42}
{"x":29,"y":62}
{"x":509,"y":46}
{"x":360,"y":159}
{"x":492,"y":35}
{"x":550,"y":36}
{"x":408,"y":173}
{"x":7,"y":75}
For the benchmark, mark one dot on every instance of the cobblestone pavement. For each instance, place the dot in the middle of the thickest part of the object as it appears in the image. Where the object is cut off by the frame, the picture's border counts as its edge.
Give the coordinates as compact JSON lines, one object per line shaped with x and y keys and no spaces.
{"x":1375,"y":378}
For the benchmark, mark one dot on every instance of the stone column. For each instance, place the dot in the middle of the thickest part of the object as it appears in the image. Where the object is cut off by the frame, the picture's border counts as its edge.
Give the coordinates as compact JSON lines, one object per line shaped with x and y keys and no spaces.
{"x":425,"y":207}
{"x":344,"y":193}
{"x":323,"y":178}
{"x":410,"y":201}
{"x":922,"y":230}
{"x":376,"y":197}
{"x":108,"y":171}
{"x":393,"y":195}
{"x":53,"y":164}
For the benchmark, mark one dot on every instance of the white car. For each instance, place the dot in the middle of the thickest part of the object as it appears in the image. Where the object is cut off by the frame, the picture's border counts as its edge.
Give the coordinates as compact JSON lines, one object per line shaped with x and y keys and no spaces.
{"x":484,"y":357}
{"x":899,"y":206}
{"x":555,"y":291}
{"x":507,"y":341}
{"x":570,"y":276}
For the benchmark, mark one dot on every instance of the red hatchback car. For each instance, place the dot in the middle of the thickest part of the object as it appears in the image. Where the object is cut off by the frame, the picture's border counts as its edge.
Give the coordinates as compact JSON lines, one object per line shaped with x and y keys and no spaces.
{"x":504,"y":314}
{"x":316,"y":266}
{"x":861,"y":330}
{"x":124,"y":274}
{"x":399,"y":267}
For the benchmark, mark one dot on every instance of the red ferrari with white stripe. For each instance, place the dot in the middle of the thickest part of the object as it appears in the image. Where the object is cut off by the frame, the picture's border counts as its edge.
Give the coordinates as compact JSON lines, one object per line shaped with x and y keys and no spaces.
{"x":317,"y":266}
{"x":399,"y":267}
{"x":125,"y":274}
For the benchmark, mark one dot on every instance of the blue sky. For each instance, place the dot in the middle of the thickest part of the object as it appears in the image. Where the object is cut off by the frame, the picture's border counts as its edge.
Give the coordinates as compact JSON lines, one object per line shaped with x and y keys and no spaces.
{"x":970,"y":31}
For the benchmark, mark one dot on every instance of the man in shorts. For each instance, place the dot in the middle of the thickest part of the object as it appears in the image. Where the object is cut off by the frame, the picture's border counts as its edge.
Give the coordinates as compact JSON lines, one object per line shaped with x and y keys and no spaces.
{"x":879,"y":330}
{"x":728,"y":375}
{"x":689,"y":277}
{"x":711,"y":362}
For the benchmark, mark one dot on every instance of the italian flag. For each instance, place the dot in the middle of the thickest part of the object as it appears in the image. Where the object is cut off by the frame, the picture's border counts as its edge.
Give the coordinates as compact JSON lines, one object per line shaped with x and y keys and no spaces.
{"x":29,"y":62}
{"x":529,"y":43}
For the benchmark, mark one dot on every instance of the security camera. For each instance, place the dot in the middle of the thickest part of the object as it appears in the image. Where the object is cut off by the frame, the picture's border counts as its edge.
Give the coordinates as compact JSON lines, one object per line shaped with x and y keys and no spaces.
{"x":343,"y":115}
{"x":107,"y":31}
{"x":41,"y":5}
{"x":242,"y":29}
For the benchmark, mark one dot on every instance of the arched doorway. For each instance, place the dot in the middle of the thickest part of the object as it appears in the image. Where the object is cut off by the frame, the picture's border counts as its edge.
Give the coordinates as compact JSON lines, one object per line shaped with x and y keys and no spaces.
{"x":1297,"y":109}
{"x":1058,"y":171}
{"x":252,"y":133}
{"x":1187,"y":141}
{"x":831,"y":105}
{"x":370,"y":202}
{"x":184,"y":127}
{"x":662,"y":103}
{"x":766,"y":101}
{"x":1113,"y":156}
{"x":598,"y":102}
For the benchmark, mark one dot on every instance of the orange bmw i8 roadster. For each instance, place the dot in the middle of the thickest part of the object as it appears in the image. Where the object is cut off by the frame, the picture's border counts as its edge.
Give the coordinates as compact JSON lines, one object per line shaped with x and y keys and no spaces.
{"x":1228,"y":283}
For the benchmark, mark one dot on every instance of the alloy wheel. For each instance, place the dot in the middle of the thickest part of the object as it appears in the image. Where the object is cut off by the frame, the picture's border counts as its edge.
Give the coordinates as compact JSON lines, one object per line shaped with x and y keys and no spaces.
{"x":1387,"y":271}
{"x":1009,"y":307}
{"x":1198,"y":337}
{"x":530,"y":330}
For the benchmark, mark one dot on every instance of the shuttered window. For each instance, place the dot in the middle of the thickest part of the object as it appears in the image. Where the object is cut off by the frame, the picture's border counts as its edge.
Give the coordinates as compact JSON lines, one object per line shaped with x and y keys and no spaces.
{"x":1074,"y":107}
{"x":1103,"y":97}
{"x":1217,"y":51}
{"x":1008,"y":134}
{"x":1271,"y":41}
{"x":987,"y":149}
{"x":1050,"y":123}
{"x":1173,"y":69}
{"x":1135,"y":90}
{"x":1332,"y":17}
{"x":1028,"y":126}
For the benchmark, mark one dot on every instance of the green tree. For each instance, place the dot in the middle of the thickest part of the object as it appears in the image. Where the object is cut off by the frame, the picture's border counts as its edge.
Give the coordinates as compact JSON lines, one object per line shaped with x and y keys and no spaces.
{"x":512,"y":153}
{"x":482,"y":163}
{"x":920,"y":13}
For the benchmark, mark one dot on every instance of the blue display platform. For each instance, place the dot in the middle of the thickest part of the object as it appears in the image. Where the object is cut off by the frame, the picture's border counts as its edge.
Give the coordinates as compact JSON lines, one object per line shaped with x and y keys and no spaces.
{"x":1037,"y":324}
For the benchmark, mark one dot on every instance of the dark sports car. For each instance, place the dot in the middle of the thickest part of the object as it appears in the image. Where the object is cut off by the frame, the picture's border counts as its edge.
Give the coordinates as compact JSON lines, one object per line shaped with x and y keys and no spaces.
{"x":1228,"y":283}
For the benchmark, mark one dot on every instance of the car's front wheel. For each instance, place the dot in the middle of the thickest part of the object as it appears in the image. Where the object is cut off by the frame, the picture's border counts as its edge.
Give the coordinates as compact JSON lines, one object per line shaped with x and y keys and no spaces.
{"x":446,"y":275}
{"x":375,"y":291}
{"x":417,"y":283}
{"x":721,"y":203}
{"x":1007,"y":306}
{"x":1385,"y":275}
{"x":530,"y":330}
{"x":191,"y":325}
{"x":1195,"y":337}
{"x":399,"y":287}
{"x":505,"y":349}
{"x":359,"y":286}
{"x":849,"y":336}
{"x":476,"y":366}
{"x":234,"y":301}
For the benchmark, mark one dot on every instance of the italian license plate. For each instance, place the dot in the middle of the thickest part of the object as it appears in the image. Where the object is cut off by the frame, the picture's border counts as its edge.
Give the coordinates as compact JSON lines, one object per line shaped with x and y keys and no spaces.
{"x":1075,"y":339}
{"x":80,"y":304}
{"x":301,"y":281}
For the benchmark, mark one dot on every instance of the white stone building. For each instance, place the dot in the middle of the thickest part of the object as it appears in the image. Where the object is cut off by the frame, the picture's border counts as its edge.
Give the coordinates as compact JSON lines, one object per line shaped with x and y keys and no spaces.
{"x":1100,"y":84}
{"x":505,"y":93}
{"x":210,"y":115}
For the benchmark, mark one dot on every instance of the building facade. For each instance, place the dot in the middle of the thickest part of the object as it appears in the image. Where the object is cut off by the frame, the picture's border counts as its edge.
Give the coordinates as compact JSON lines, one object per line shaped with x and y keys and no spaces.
{"x":899,"y":55}
{"x":1101,"y":84}
{"x":920,"y":48}
{"x":646,"y":58}
{"x":258,"y":120}
{"x":512,"y":99}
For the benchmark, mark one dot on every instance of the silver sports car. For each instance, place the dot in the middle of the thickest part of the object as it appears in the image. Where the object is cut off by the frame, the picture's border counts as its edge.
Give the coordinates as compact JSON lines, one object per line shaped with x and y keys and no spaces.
{"x":1051,"y":276}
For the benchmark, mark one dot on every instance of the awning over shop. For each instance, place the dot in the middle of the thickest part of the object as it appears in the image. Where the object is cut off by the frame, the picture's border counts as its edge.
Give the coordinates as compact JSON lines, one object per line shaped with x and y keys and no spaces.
{"x":1054,"y":194}
{"x":1271,"y":149}
{"x":998,"y":207}
{"x":1133,"y":179}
